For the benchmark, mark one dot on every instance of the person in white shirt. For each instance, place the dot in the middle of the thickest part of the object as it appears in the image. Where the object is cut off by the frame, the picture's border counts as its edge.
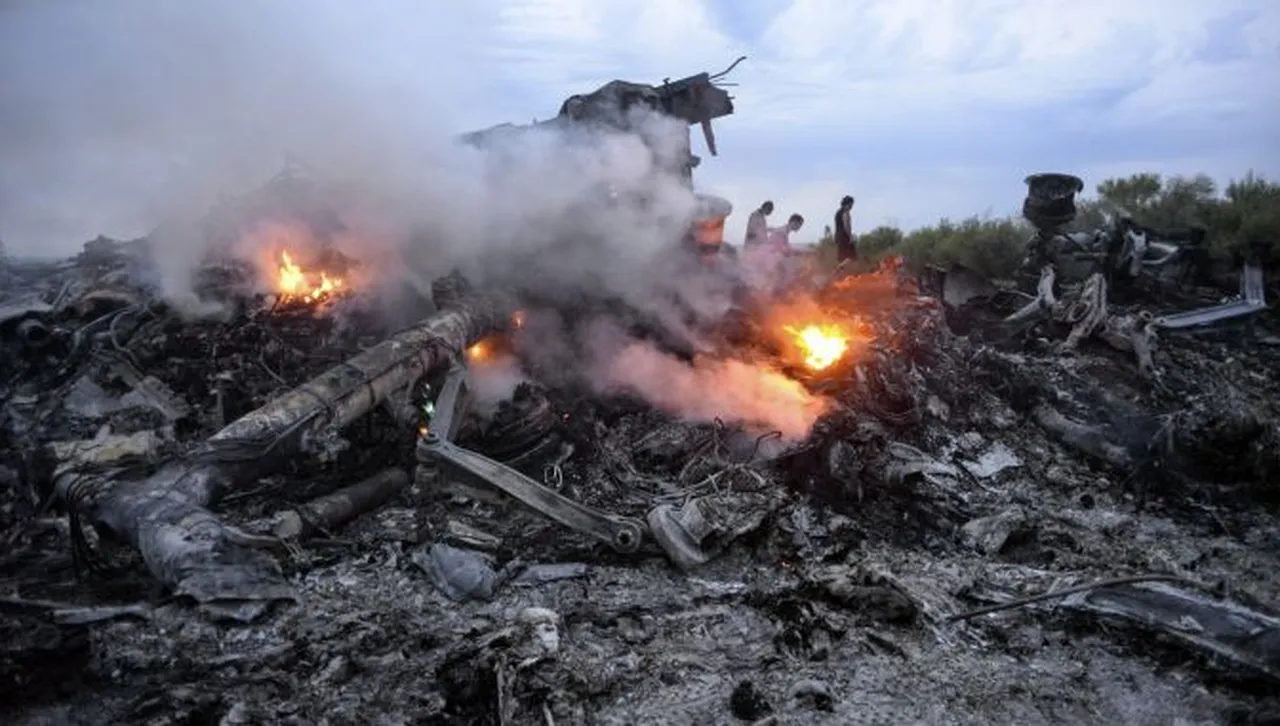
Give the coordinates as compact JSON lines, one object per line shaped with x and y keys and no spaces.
{"x":764,"y":261}
{"x":780,"y":237}
{"x":758,"y":226}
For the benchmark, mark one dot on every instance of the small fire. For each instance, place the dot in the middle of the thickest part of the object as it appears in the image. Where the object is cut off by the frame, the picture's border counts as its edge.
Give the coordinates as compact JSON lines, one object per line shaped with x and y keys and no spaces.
{"x":480,"y":351}
{"x":296,"y":283}
{"x":821,"y":345}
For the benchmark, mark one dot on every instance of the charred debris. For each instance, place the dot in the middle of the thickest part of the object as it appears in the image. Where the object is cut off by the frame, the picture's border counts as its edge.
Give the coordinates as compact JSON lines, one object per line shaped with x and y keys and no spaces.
{"x":1050,"y":501}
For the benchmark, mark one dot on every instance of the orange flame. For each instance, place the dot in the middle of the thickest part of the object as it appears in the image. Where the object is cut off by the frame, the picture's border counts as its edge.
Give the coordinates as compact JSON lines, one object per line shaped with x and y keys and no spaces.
{"x":479,"y":352}
{"x":295,"y":283}
{"x":821,"y":345}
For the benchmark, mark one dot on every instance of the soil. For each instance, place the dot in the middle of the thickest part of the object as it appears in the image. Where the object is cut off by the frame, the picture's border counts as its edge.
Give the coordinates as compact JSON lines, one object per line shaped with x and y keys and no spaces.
{"x":829,"y":604}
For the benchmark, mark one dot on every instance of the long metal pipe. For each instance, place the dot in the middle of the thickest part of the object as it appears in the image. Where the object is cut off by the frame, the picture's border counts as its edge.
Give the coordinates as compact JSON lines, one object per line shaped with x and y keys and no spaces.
{"x":167,"y":516}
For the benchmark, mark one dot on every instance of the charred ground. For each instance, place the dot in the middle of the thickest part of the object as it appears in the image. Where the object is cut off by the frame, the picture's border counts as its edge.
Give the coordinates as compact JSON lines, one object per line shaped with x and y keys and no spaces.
{"x":947,"y":473}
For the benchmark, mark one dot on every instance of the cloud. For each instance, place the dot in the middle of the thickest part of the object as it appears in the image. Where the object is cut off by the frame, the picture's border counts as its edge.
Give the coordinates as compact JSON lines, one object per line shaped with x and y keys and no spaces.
{"x":113,"y":116}
{"x":930,"y":108}
{"x":920,"y":108}
{"x":928,"y":54}
{"x":964,"y":98}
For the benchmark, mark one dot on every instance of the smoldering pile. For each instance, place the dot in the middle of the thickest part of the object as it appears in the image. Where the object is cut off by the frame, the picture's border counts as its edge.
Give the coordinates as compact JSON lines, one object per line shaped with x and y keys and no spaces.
{"x":485,"y":465}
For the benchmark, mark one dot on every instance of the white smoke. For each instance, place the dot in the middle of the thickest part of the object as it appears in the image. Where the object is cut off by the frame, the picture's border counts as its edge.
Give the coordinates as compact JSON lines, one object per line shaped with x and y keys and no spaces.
{"x":135,"y":117}
{"x":116,"y":117}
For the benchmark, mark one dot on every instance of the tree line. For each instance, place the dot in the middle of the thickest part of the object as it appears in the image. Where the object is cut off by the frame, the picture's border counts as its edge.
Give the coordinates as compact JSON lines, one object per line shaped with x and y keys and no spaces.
{"x":1246,"y":211}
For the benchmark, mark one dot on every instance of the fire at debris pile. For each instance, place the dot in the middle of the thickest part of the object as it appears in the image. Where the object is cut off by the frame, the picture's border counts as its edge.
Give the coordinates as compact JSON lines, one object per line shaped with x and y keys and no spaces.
{"x":852,"y":496}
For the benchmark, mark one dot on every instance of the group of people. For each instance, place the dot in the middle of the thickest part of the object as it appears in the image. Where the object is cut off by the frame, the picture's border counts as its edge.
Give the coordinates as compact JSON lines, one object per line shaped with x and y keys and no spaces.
{"x":759,"y":233}
{"x":766,"y":248}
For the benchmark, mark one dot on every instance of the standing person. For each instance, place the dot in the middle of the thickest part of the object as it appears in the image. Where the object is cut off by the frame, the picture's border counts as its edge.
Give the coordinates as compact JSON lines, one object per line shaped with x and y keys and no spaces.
{"x":764,"y":260}
{"x":780,"y":246}
{"x":758,"y":226}
{"x":845,"y":250}
{"x":780,"y":237}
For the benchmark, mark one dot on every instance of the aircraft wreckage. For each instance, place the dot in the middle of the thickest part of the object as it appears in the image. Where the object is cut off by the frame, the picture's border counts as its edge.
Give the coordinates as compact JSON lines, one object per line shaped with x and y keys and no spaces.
{"x":865,"y":498}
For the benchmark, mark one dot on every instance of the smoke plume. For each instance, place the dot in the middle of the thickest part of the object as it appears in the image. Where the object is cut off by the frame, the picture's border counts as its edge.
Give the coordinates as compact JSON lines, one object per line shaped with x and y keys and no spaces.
{"x":717,"y":389}
{"x":136,"y":117}
{"x":115,"y":118}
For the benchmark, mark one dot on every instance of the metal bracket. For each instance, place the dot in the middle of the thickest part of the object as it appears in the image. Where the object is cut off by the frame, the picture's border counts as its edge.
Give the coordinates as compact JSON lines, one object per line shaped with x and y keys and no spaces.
{"x":1252,"y":300}
{"x":435,"y":449}
{"x":452,"y":403}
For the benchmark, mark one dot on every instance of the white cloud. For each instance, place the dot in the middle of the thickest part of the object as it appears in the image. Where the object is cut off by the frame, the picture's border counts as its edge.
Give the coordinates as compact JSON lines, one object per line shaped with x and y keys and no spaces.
{"x":558,"y":45}
{"x":842,"y":75}
{"x":838,"y":96}
{"x":885,"y":59}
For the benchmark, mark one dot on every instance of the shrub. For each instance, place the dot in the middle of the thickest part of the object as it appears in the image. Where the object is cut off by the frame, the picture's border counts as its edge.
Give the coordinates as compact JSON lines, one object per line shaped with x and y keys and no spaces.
{"x":1247,"y":210}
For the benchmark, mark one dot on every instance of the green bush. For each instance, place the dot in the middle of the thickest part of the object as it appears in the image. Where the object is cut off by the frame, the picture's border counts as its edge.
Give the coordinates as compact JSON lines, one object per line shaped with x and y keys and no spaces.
{"x":993,"y":247}
{"x":879,"y":242}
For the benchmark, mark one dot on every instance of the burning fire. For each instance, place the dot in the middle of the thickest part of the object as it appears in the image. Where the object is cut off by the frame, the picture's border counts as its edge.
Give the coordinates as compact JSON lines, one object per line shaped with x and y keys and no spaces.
{"x":490,"y":351}
{"x":480,"y":351}
{"x":821,"y":345}
{"x":295,"y":283}
{"x":816,"y":334}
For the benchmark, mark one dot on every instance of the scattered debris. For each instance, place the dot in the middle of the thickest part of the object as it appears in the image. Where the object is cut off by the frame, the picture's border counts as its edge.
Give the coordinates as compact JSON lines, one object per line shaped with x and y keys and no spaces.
{"x":993,"y":461}
{"x":332,"y":511}
{"x":989,"y":535}
{"x":393,"y":542}
{"x":748,"y":703}
{"x":460,"y":574}
{"x":812,"y":693}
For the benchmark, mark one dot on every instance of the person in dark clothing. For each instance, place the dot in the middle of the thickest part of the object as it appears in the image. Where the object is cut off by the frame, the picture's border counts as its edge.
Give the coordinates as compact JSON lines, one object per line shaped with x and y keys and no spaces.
{"x":845,"y":249}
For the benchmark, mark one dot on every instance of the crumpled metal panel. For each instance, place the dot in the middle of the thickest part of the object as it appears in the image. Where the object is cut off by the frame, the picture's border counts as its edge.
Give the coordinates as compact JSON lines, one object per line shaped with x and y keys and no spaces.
{"x":1252,"y":300}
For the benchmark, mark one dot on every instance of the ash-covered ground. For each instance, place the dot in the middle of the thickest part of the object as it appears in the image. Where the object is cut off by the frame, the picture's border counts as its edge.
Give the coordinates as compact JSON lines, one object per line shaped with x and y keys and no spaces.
{"x":948,"y":472}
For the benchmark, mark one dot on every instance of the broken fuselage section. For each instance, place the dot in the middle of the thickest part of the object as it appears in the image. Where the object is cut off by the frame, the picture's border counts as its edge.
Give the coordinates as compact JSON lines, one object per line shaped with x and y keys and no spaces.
{"x":660,"y":117}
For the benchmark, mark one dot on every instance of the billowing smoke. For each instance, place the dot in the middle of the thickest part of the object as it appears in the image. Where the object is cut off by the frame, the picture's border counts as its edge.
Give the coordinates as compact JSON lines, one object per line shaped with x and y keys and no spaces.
{"x":116,"y":118}
{"x":136,"y":117}
{"x":493,"y":381}
{"x":703,"y":389}
{"x":717,"y":389}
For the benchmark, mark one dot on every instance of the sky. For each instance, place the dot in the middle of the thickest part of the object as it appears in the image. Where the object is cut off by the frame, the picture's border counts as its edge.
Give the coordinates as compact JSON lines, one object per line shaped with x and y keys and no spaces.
{"x":112,"y":112}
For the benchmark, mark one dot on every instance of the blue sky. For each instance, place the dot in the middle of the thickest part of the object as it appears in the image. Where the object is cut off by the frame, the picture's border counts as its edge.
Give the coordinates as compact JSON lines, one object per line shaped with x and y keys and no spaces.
{"x":919,"y":108}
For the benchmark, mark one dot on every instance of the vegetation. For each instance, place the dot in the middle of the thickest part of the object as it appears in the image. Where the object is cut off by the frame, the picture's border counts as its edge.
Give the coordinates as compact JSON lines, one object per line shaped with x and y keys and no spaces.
{"x":1246,"y":211}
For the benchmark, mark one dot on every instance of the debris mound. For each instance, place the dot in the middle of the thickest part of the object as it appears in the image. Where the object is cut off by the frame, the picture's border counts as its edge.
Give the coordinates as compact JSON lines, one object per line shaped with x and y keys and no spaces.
{"x":981,"y":506}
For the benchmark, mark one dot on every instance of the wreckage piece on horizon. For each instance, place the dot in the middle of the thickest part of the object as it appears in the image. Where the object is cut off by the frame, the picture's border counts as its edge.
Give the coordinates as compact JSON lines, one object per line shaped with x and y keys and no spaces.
{"x":167,"y":516}
{"x":1088,"y":315}
{"x":1252,"y":300}
{"x":619,"y":106}
{"x":696,"y":99}
{"x":1125,"y":251}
